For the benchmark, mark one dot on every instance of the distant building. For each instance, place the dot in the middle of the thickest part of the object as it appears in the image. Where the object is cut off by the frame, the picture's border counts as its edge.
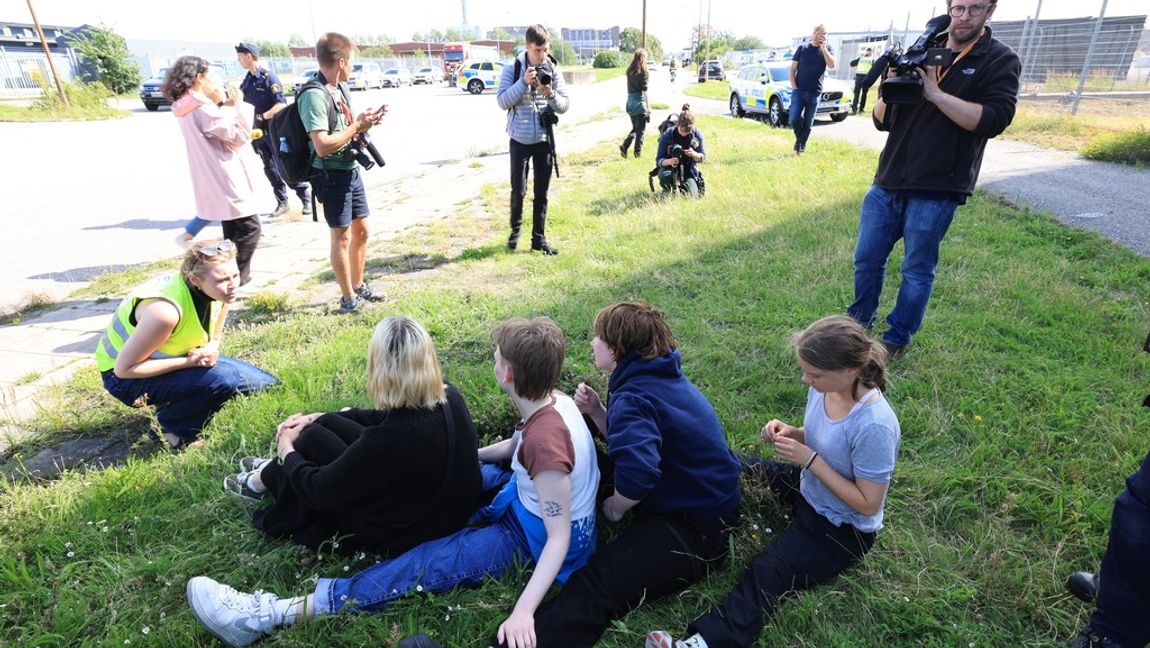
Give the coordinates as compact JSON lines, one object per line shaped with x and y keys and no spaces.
{"x":22,"y":60}
{"x":588,"y":42}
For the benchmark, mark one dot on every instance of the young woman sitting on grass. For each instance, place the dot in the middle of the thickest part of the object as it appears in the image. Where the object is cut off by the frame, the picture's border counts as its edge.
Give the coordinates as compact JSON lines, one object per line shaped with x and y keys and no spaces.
{"x":162,"y":347}
{"x":383,"y":479}
{"x":834,"y":472}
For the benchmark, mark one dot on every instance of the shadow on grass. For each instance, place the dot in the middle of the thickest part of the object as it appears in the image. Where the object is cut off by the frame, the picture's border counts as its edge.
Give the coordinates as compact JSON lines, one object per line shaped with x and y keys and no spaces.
{"x":626,"y":203}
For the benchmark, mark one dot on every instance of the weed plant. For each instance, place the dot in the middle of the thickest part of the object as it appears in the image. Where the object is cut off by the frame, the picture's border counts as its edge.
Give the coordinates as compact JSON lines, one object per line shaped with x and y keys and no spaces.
{"x":1018,"y":402}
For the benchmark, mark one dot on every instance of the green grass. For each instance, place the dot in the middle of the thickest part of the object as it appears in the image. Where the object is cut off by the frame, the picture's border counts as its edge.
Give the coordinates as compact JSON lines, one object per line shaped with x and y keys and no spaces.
{"x":719,"y":90}
{"x":21,"y":114}
{"x":606,"y":74}
{"x":1111,"y":130}
{"x":1127,"y":148}
{"x":1018,"y":402}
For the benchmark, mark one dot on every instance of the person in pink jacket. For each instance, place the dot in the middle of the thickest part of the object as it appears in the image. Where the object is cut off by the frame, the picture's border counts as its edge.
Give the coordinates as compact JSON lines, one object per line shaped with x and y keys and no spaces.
{"x":217,"y":130}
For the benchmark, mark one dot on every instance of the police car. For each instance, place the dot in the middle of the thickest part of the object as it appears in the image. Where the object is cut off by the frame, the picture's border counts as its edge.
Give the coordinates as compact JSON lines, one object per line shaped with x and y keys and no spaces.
{"x":477,"y":76}
{"x":765,"y":89}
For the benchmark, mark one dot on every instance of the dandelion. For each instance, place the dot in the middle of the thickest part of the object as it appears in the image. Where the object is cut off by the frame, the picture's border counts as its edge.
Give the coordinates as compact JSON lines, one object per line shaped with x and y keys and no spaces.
{"x":977,"y":417}
{"x":961,"y":415}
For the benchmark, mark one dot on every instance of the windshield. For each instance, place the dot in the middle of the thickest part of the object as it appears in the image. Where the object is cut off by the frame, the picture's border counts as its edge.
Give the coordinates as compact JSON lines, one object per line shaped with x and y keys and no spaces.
{"x":780,"y":74}
{"x":357,"y":69}
{"x":452,"y":56}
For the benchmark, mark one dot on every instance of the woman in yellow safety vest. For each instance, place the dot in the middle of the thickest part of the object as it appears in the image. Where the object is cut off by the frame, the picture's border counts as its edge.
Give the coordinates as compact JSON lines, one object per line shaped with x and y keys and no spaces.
{"x":162,"y":347}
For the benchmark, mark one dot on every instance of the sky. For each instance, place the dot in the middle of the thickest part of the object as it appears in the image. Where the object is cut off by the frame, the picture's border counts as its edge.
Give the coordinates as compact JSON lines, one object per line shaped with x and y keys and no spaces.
{"x":670,"y":20}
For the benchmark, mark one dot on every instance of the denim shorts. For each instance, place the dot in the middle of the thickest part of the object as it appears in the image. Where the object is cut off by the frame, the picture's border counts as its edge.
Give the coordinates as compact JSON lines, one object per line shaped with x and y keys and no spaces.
{"x":342,"y":195}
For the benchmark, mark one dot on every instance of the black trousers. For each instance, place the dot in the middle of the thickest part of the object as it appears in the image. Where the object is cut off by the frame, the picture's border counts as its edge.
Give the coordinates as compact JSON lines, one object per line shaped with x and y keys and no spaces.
{"x":638,"y":125}
{"x":858,"y":103}
{"x":244,"y":233}
{"x":523,"y":157}
{"x":656,"y":556}
{"x":810,"y":551}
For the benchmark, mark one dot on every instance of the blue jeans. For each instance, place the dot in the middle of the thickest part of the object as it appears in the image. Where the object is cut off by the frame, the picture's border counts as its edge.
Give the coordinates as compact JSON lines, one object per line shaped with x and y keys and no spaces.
{"x":463,"y":559}
{"x":804,"y":105}
{"x":185,"y":399}
{"x":885,"y":218}
{"x":195,"y":225}
{"x":1124,"y":580}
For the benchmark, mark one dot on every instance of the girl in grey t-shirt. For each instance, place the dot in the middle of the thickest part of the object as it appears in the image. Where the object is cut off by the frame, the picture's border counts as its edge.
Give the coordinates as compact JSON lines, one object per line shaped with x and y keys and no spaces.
{"x":833,"y":470}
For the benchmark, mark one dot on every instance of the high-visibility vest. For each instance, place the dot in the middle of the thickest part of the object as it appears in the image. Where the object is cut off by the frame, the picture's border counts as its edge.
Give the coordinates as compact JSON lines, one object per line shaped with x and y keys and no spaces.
{"x":188,"y":334}
{"x":864,"y":65}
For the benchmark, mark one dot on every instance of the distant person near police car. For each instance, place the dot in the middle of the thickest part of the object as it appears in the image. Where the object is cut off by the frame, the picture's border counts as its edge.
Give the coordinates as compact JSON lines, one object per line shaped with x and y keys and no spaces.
{"x":263,"y":90}
{"x":535,"y":94}
{"x":862,"y":66}
{"x":335,"y":178}
{"x":929,"y":166}
{"x":808,"y":66}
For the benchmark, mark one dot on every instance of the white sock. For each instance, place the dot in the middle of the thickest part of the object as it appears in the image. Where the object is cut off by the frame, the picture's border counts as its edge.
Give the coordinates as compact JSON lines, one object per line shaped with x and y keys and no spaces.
{"x":256,"y":487}
{"x":694,"y":641}
{"x":287,"y":612}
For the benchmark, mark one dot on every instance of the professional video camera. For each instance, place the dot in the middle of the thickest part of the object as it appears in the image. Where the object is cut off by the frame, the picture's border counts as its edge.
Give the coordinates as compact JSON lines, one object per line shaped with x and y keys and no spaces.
{"x":906,"y":86}
{"x":365,"y":152}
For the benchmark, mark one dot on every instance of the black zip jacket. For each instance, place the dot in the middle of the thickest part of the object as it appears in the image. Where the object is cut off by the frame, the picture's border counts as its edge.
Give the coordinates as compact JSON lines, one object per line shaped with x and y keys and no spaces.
{"x":926,"y":151}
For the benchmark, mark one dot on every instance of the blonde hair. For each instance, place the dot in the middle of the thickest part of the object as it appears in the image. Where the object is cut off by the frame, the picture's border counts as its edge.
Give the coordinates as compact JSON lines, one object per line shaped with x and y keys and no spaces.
{"x":402,"y":368}
{"x":195,"y":264}
{"x":839,"y":342}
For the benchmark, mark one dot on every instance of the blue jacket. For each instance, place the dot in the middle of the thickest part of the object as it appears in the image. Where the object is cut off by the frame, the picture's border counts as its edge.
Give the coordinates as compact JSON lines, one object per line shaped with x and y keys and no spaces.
{"x":669,"y":448}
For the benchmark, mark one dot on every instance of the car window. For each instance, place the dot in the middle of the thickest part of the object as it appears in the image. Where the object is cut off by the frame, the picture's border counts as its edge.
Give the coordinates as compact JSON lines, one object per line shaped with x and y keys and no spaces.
{"x":487,"y":66}
{"x":473,"y":66}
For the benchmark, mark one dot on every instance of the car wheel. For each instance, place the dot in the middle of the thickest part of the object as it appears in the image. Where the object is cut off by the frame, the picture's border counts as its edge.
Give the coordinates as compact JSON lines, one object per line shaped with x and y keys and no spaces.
{"x":775,"y":115}
{"x":736,"y":106}
{"x":702,"y":79}
{"x":152,"y":107}
{"x":838,"y":117}
{"x":475,"y":86}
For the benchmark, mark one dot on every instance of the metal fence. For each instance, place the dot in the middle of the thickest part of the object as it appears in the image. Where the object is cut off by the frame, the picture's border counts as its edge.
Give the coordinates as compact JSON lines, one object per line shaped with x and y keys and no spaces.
{"x":21,"y":72}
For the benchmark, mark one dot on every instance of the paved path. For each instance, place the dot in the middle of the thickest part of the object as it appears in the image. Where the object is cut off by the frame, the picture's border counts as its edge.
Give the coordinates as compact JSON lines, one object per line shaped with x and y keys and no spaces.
{"x":45,"y":350}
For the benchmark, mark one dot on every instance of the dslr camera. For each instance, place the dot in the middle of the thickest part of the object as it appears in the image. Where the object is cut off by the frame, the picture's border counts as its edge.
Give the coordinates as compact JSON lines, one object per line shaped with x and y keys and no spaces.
{"x":905,"y":87}
{"x":543,"y":74}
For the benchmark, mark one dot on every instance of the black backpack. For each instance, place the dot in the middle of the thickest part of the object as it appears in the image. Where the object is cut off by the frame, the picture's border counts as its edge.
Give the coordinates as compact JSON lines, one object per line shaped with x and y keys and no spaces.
{"x":289,"y":140}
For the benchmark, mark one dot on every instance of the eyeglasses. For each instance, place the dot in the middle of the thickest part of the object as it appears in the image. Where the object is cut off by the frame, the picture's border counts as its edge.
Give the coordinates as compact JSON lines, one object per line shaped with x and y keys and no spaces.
{"x":209,"y":251}
{"x":974,"y":10}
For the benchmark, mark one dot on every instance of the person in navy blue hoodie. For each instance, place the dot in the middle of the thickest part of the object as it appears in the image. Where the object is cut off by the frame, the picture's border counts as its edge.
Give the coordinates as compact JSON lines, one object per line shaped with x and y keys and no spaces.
{"x":672,"y":469}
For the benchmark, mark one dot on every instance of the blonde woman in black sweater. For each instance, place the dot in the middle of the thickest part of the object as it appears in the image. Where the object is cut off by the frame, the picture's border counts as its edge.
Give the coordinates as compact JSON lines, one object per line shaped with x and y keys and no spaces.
{"x":383,"y":479}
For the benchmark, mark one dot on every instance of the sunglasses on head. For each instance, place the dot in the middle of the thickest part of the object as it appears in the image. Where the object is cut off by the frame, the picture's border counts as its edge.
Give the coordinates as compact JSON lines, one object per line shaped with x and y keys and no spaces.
{"x":209,"y":251}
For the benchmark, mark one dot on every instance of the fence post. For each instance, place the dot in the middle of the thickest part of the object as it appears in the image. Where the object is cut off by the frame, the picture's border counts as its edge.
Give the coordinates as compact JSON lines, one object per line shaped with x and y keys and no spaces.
{"x":1086,"y":63}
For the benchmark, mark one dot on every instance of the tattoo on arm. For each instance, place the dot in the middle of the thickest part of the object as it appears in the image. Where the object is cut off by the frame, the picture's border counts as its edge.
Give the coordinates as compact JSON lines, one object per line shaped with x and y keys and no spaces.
{"x":552,"y":509}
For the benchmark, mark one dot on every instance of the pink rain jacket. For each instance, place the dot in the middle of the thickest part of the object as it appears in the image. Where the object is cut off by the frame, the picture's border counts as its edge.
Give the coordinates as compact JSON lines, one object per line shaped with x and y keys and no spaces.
{"x":221,"y":160}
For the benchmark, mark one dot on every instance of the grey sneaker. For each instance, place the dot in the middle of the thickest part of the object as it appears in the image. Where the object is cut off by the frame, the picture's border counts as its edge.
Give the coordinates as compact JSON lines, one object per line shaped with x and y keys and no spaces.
{"x":365,"y":292}
{"x":348,"y":305}
{"x":252,"y":464}
{"x":280,"y":210}
{"x":237,"y":485}
{"x":235,"y":618}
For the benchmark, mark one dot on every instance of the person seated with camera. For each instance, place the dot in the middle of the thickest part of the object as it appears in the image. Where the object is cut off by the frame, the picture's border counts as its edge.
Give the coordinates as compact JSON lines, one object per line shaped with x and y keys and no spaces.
{"x":679,"y":155}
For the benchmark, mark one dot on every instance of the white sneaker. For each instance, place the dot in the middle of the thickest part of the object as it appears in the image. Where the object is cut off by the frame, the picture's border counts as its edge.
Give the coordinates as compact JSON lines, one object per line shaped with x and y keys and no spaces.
{"x":235,"y":618}
{"x":184,"y":240}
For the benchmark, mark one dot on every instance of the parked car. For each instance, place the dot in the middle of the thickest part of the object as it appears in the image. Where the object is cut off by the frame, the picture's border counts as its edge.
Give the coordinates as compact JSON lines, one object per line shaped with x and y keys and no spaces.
{"x":307,"y":76}
{"x":365,"y":76}
{"x":711,"y":70}
{"x":426,"y":76}
{"x":651,"y":65}
{"x":765,"y":89}
{"x":396,"y":77}
{"x":480,"y":75}
{"x":153,"y":97}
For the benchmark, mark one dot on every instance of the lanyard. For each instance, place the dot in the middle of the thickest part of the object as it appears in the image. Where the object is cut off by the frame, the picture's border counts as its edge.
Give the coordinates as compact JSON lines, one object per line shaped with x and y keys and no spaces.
{"x":966,"y":50}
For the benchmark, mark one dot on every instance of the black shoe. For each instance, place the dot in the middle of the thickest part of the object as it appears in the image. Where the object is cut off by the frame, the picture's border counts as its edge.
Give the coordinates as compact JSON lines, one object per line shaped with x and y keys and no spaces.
{"x":637,"y":153}
{"x":1083,"y":585}
{"x":280,"y":210}
{"x":1088,"y":638}
{"x":513,"y":241}
{"x":418,"y":641}
{"x":365,"y":292}
{"x":544,"y":247}
{"x":623,"y":150}
{"x":894,"y":351}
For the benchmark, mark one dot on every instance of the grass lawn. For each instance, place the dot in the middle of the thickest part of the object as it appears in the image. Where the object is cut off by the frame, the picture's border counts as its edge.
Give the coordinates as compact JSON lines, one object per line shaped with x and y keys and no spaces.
{"x":1018,"y":402}
{"x":89,"y":113}
{"x":720,"y":90}
{"x":1104,"y":129}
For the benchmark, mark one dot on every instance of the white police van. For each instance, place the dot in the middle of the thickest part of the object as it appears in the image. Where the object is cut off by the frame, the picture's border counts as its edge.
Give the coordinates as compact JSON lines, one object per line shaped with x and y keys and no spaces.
{"x":477,"y":76}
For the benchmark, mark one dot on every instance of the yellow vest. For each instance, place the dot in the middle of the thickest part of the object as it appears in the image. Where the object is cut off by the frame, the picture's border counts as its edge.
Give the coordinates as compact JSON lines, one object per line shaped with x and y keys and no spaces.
{"x":187,"y":335}
{"x":864,"y":65}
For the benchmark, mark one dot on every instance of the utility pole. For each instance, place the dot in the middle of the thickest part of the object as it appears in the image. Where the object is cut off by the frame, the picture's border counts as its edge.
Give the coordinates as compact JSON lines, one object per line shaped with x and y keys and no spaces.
{"x":48,"y":55}
{"x":643,"y":42}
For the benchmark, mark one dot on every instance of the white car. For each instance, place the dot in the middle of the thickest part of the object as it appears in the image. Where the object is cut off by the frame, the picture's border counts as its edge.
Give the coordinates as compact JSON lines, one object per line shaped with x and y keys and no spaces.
{"x":365,"y":76}
{"x":396,"y":77}
{"x":475,"y":77}
{"x":765,"y":89}
{"x":426,"y":75}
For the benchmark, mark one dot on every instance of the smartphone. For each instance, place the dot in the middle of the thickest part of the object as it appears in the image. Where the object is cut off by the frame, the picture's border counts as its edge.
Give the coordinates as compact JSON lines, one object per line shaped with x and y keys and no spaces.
{"x":939,"y":56}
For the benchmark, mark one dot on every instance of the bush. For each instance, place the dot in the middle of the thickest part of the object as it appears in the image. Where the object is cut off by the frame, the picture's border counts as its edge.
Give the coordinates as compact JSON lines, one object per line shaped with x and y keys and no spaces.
{"x":1126,"y":148}
{"x":81,"y":96}
{"x":108,"y":59}
{"x":607,"y":59}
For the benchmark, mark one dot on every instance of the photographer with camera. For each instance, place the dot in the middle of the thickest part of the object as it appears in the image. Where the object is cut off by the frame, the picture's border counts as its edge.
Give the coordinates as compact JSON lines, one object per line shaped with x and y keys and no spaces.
{"x":335,"y":179}
{"x":931,"y":159}
{"x":680,"y":153}
{"x":532,"y":93}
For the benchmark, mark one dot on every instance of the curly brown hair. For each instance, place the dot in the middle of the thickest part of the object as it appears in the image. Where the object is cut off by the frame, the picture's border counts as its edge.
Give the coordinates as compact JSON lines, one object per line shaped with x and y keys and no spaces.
{"x":182,"y":76}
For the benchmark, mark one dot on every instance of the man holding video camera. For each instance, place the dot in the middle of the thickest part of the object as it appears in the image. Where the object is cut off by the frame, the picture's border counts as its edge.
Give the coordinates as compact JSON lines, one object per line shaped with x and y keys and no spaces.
{"x":532,"y":93}
{"x":931,"y":159}
{"x":335,"y":178}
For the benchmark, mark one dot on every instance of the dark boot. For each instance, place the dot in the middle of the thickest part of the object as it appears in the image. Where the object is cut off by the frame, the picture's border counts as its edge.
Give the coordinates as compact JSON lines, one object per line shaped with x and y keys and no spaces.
{"x":638,"y":150}
{"x":626,"y":145}
{"x":516,"y":220}
{"x":538,"y":226}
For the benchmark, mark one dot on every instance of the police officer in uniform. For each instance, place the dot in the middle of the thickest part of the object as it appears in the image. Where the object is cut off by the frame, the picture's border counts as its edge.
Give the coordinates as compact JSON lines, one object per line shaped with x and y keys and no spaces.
{"x":862,"y":66}
{"x":262,"y":89}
